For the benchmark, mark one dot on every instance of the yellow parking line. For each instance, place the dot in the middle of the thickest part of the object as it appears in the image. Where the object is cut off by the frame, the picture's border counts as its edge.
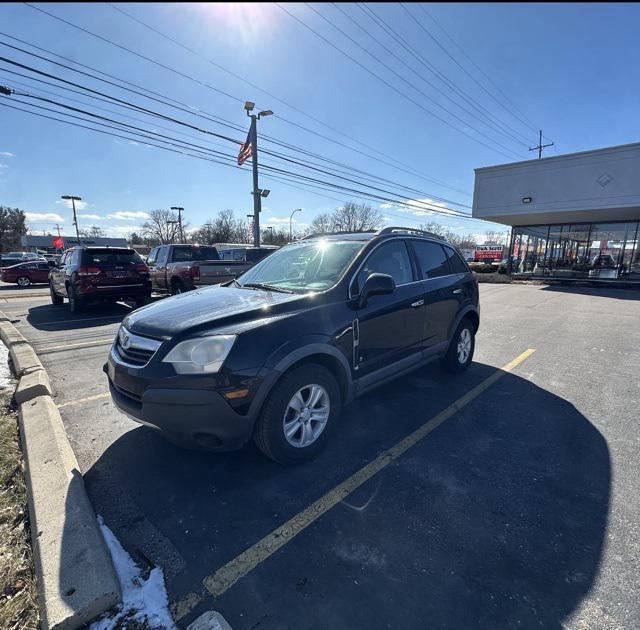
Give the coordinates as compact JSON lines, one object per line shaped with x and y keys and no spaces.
{"x":83,"y":400}
{"x":69,"y":346}
{"x":226,"y":576}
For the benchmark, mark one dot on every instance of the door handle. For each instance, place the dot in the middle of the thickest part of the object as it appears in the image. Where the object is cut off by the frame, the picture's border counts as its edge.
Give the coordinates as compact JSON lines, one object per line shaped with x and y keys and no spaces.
{"x":457,"y":291}
{"x":417,"y":304}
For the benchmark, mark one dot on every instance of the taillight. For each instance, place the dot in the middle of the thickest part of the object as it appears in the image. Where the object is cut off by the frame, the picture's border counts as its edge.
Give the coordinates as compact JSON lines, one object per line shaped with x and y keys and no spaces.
{"x":89,"y":271}
{"x":142,"y":268}
{"x":195,"y":272}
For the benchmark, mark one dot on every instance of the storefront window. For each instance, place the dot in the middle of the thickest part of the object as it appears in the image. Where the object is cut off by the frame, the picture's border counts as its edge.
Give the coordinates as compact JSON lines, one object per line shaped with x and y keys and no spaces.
{"x":577,"y":250}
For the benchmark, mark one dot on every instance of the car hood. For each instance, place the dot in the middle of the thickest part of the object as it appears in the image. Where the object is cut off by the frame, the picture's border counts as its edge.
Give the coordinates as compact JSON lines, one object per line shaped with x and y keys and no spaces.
{"x":202,"y":308}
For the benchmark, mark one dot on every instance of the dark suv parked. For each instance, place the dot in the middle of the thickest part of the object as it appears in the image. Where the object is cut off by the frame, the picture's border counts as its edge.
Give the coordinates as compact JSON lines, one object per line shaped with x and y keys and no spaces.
{"x":95,"y":274}
{"x":275,"y":353}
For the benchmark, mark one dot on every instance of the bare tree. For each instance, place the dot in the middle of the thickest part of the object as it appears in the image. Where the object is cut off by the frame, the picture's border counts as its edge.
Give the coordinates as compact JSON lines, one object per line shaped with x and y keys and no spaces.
{"x":494,"y":238}
{"x":356,"y":217}
{"x":93,"y":232}
{"x":161,"y":227}
{"x":322,"y":224}
{"x":460,"y":240}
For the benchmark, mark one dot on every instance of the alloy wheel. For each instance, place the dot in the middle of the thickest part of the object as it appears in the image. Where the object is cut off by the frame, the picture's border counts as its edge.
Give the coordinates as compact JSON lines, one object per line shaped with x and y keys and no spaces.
{"x":306,"y":415}
{"x":464,"y":345}
{"x":23,"y":281}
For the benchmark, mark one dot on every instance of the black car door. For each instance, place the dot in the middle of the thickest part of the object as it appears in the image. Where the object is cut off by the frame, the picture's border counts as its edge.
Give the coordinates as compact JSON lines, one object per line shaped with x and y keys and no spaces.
{"x":389,"y":327}
{"x":441,"y":290}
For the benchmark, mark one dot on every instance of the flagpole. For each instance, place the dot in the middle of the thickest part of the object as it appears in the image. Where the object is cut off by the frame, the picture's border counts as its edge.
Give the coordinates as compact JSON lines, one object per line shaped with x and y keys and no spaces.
{"x":257,"y":198}
{"x":253,"y":144}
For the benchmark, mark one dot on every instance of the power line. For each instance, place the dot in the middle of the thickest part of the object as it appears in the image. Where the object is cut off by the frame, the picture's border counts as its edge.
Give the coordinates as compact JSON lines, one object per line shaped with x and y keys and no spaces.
{"x":405,"y":80}
{"x":405,"y":168}
{"x":198,"y":153}
{"x":385,"y":82}
{"x":394,"y":35}
{"x":486,"y":120}
{"x":172,"y":119}
{"x":527,"y":122}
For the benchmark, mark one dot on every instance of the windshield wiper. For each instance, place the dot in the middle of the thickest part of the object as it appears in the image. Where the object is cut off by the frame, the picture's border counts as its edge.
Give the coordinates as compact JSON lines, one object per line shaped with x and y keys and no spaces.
{"x":266,"y":287}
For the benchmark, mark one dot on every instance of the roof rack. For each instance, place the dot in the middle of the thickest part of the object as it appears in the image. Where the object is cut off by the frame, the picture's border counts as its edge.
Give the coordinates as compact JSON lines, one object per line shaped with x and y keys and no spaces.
{"x":393,"y":229}
{"x":320,"y":234}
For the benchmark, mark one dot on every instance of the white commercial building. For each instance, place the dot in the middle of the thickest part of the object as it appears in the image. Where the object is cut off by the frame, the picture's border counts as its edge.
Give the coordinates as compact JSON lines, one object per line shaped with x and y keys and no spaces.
{"x":573,"y":216}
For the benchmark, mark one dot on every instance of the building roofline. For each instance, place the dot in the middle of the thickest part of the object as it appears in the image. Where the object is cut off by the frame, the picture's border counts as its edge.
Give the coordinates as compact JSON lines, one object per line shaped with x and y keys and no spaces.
{"x":563,"y":156}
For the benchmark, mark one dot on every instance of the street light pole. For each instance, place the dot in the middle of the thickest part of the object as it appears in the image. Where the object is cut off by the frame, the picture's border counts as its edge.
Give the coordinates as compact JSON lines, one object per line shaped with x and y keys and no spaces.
{"x":180,"y":211}
{"x":75,"y":220}
{"x":291,"y":223}
{"x":257,"y":192}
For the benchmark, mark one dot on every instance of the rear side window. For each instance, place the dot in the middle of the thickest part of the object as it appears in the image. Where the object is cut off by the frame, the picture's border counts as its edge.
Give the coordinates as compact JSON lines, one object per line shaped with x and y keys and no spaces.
{"x":109,"y":257}
{"x":187,"y":254}
{"x":455,"y":262}
{"x":431,"y":258}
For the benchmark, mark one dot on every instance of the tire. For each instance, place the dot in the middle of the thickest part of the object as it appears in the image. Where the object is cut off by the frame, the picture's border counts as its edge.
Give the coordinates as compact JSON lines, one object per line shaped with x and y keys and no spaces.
{"x":75,"y":304}
{"x":458,"y":358}
{"x":269,"y":434}
{"x":23,"y":281}
{"x":56,"y":299}
{"x":140,"y":302}
{"x":177,"y":287}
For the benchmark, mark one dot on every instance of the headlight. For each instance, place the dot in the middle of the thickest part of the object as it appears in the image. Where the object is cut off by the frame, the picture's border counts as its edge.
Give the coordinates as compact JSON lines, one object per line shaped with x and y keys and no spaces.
{"x":203,"y":355}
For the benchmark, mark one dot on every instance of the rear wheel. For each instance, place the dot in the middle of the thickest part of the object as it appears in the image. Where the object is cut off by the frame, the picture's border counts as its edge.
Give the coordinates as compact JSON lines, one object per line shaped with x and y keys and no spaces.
{"x":460,"y":352}
{"x":299,"y":414}
{"x":23,"y":281}
{"x":56,"y":299}
{"x":177,"y":287}
{"x":75,"y":303}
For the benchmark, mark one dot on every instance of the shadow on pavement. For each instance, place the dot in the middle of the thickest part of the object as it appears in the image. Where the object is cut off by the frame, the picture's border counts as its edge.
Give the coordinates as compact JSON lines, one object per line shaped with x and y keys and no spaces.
{"x":495,"y":520}
{"x":620,"y":293}
{"x":59,"y":318}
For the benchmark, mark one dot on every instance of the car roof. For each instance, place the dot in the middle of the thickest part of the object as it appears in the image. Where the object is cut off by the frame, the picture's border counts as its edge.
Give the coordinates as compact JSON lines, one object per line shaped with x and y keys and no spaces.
{"x":386,"y":232}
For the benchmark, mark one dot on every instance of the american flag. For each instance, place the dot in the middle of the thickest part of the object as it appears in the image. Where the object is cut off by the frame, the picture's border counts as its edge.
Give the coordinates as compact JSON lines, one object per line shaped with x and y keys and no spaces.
{"x":246,"y":150}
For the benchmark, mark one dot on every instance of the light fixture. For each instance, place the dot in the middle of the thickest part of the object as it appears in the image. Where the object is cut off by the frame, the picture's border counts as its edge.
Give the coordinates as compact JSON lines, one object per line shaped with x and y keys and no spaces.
{"x":249,"y":106}
{"x":264,"y":192}
{"x":266,"y":112}
{"x":527,"y":199}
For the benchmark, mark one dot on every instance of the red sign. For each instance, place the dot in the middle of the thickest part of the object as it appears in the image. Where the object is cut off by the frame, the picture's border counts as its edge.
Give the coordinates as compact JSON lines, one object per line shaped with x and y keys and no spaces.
{"x":489,"y":252}
{"x":58,"y":243}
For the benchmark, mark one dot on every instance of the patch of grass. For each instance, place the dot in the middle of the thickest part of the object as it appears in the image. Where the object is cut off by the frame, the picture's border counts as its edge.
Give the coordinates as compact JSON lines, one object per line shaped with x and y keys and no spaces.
{"x":18,"y":604}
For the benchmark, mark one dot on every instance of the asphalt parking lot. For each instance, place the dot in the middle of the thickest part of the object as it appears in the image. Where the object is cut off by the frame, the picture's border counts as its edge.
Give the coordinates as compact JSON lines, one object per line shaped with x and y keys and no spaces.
{"x":517,"y":507}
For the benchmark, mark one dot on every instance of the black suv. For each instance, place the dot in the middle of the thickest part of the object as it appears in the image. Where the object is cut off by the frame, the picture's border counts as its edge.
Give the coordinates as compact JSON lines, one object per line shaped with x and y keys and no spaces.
{"x":277,"y":352}
{"x":97,"y":274}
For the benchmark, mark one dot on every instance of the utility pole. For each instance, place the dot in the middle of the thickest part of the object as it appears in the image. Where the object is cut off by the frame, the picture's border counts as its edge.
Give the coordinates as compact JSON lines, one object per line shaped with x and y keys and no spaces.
{"x":58,"y":228}
{"x":257,"y":192}
{"x":291,"y":223}
{"x":541,"y":146}
{"x":173,"y":230}
{"x":75,"y":220}
{"x":179,"y":210}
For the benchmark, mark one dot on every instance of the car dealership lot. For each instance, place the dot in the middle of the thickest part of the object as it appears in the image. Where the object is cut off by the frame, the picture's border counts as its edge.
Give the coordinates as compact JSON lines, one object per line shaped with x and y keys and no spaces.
{"x":520,"y":509}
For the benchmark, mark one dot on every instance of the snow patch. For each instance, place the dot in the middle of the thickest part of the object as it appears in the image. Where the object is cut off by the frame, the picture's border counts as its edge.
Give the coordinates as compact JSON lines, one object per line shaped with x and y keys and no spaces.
{"x":143,"y":601}
{"x":5,"y":371}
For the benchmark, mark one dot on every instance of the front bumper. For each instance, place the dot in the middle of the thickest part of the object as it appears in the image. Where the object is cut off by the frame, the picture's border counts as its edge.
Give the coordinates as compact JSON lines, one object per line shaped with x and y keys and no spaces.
{"x":192,"y":412}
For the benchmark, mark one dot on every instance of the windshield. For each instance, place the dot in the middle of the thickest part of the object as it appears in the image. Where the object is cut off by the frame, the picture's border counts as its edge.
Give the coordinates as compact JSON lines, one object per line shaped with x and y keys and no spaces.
{"x":304,"y":266}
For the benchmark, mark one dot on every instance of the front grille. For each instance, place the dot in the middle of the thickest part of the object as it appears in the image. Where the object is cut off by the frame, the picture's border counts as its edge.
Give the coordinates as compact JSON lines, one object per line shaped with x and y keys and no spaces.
{"x":134,"y":356}
{"x":134,"y":349}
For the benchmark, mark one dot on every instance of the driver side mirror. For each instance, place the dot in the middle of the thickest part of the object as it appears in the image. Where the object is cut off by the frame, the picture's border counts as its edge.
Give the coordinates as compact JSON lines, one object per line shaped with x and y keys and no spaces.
{"x":376,"y":284}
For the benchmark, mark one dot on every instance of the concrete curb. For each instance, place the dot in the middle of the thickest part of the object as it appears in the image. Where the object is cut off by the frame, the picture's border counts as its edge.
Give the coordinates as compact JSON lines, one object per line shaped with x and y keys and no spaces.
{"x":75,"y":575}
{"x":211,"y":620}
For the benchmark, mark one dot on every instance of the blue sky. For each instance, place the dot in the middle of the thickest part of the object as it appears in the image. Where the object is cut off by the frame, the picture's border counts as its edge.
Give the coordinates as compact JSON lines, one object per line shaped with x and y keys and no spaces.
{"x":570,"y":68}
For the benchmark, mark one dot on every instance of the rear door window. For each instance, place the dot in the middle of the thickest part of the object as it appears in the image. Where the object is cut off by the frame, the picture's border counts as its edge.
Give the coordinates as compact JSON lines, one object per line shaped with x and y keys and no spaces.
{"x":431,"y":258}
{"x":455,"y":262}
{"x":108,"y":257}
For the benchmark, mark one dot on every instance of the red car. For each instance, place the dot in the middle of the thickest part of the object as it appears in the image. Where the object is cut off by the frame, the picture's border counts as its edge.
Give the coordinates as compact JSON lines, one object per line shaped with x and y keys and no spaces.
{"x":27,"y":273}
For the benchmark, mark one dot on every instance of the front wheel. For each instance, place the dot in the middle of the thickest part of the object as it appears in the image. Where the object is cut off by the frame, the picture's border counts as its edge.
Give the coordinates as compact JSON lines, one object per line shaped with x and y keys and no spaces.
{"x":56,"y":299}
{"x":23,"y":281}
{"x":299,"y":414}
{"x":460,"y":352}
